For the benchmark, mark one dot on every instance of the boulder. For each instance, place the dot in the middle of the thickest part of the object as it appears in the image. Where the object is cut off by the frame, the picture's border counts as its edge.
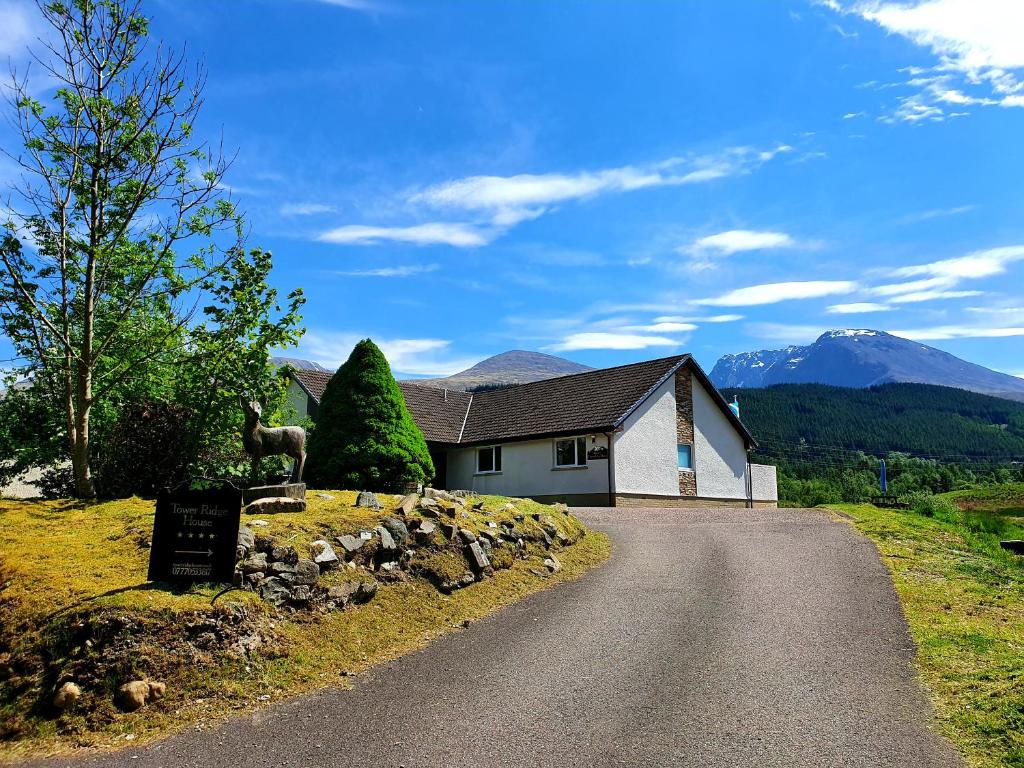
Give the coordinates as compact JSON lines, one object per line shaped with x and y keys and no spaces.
{"x":478,"y":559}
{"x":306,"y":572}
{"x":254,"y":564}
{"x":323,"y":554}
{"x":552,"y":563}
{"x":281,"y":569}
{"x":264,"y":544}
{"x":136,"y":694}
{"x":467,"y":535}
{"x":246,"y":538}
{"x":253,"y":580}
{"x":431,"y":511}
{"x":352,"y":592}
{"x":387,"y":542}
{"x":284,"y":554}
{"x":425,"y":530}
{"x":486,"y":546}
{"x":275,"y":590}
{"x":407,"y":504}
{"x":398,"y":530}
{"x":488,"y":535}
{"x":350,"y":543}
{"x":67,"y":695}
{"x":436,"y":493}
{"x":282,"y":491}
{"x":302,"y":594}
{"x":450,"y":530}
{"x":368,"y":500}
{"x":272,"y":505}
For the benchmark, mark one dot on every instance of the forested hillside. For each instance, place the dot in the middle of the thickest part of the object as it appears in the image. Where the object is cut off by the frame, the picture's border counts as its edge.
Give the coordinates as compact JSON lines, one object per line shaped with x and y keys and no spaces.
{"x":919,"y":419}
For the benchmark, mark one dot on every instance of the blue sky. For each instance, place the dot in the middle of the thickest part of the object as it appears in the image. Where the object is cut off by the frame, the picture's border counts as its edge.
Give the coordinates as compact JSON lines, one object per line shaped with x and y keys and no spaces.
{"x":615,"y":181}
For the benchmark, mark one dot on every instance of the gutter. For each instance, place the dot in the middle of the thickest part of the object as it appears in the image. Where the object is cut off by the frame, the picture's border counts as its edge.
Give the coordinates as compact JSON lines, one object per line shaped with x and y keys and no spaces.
{"x":611,"y":474}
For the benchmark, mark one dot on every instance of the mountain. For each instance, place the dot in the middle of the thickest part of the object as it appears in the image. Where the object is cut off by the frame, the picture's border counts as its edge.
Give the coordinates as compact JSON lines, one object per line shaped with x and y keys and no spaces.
{"x":822,"y":424}
{"x":515,"y":367}
{"x":297,"y":363}
{"x":862,"y":358}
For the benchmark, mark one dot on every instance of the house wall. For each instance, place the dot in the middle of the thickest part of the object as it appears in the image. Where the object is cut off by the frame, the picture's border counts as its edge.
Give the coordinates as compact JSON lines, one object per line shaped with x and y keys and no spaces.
{"x":644,"y":452}
{"x":764,"y":482}
{"x":527,"y":469}
{"x":297,"y":399}
{"x":719,"y":452}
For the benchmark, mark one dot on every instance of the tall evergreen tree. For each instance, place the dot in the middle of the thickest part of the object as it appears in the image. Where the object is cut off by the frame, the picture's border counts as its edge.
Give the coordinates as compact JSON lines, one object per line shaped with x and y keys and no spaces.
{"x":365,"y":438}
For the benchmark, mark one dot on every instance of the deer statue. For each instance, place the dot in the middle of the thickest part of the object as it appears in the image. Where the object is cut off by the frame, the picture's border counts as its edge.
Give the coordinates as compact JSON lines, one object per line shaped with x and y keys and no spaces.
{"x":260,"y":441}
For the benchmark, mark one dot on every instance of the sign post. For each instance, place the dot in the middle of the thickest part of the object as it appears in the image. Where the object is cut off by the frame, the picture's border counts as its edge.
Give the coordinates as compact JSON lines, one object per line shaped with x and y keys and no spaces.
{"x":194,"y":535}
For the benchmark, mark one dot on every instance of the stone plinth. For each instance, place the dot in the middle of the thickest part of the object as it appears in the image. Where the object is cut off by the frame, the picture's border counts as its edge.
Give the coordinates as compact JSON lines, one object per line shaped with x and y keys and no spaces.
{"x":284,"y":490}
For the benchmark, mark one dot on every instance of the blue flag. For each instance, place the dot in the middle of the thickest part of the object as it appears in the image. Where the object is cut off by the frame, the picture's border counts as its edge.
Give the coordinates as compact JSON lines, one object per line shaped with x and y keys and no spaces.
{"x":882,"y":481}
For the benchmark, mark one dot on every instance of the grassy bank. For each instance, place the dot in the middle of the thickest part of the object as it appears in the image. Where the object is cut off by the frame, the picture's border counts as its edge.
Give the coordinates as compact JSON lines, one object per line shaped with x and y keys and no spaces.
{"x":963,"y":597}
{"x":72,"y":586}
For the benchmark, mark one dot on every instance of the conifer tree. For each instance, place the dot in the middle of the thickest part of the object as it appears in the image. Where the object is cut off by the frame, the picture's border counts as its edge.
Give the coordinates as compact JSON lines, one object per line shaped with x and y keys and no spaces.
{"x":365,"y":438}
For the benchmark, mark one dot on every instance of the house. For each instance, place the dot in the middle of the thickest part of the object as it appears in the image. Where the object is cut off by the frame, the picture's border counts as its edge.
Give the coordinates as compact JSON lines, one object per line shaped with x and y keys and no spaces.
{"x":655,"y":433}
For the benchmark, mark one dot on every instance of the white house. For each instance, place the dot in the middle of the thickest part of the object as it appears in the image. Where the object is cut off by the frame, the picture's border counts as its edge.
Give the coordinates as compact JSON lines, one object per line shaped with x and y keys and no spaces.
{"x":655,"y":433}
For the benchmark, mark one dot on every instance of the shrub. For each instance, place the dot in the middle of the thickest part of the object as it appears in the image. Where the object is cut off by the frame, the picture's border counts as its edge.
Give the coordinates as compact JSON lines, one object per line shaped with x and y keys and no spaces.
{"x":365,"y":437}
{"x":930,"y":505}
{"x":146,"y":451}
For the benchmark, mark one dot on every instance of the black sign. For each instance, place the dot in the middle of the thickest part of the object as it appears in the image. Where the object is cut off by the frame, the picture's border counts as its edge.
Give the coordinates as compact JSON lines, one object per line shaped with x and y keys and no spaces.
{"x":194,"y":535}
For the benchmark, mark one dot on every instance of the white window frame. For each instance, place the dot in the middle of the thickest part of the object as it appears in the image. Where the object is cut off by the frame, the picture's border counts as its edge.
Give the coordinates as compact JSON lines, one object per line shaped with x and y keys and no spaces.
{"x":692,"y":461}
{"x":577,"y":442}
{"x":496,"y":465}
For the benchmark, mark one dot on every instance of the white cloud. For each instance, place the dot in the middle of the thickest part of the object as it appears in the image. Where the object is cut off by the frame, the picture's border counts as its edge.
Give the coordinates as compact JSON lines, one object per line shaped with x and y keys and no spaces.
{"x":421,"y":357}
{"x":438,"y":233}
{"x":662,"y":327}
{"x":858,"y":308}
{"x":354,"y":5}
{"x":919,"y":296}
{"x":508,"y":200}
{"x":402,"y":271}
{"x":709,"y":319}
{"x":304,"y":209}
{"x":977,"y":42}
{"x":619,"y":341}
{"x":957,"y":332}
{"x":772,"y":293}
{"x":736,"y":240}
{"x":784,"y":333}
{"x":939,"y":278}
{"x":936,"y":213}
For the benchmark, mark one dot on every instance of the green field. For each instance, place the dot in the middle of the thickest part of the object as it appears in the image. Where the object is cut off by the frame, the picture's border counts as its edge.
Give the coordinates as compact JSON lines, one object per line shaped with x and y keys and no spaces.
{"x":963,"y":596}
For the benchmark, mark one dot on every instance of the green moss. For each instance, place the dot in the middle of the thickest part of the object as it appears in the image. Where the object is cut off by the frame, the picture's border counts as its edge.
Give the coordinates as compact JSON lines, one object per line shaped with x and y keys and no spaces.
{"x":66,"y":568}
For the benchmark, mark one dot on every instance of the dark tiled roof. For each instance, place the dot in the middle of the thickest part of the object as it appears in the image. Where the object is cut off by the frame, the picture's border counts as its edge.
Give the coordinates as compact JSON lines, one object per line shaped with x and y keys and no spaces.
{"x":439,"y":413}
{"x":593,"y":401}
{"x":582,"y":402}
{"x":314,"y":382}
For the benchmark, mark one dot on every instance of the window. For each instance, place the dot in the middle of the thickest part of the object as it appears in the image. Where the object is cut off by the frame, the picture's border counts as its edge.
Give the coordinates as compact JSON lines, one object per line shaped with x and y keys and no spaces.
{"x":488,"y":459}
{"x":571,"y":452}
{"x":685,"y":451}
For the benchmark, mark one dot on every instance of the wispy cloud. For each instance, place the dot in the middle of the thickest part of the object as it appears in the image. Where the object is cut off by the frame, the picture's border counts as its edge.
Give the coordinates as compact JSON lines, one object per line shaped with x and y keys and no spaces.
{"x":365,"y":6}
{"x":958,"y":332}
{"x":304,"y":209}
{"x":704,"y":251}
{"x":772,"y":293}
{"x":420,"y":357}
{"x":976,"y":44}
{"x":936,"y":213}
{"x":858,"y":308}
{"x":403,"y":271}
{"x":939,"y":279}
{"x":437,"y":233}
{"x":619,"y":341}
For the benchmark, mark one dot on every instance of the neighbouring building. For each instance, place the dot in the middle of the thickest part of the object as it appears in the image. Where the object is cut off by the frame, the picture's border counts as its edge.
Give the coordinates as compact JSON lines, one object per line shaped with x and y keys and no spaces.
{"x":655,"y":433}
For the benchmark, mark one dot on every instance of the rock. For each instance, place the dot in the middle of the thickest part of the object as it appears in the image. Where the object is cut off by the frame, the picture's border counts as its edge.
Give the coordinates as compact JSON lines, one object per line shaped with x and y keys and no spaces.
{"x":342,"y":593}
{"x":519,"y":517}
{"x":398,"y":530}
{"x":478,"y":559}
{"x":407,"y":504}
{"x":254,"y":564}
{"x":436,"y":493}
{"x":350,"y":543}
{"x":425,"y":530}
{"x":281,"y":569}
{"x":507,"y":508}
{"x":67,"y":695}
{"x":387,"y":543}
{"x":368,"y":499}
{"x":301,"y":593}
{"x":259,"y":523}
{"x":136,"y":694}
{"x":323,"y":554}
{"x":246,"y":538}
{"x":281,"y":491}
{"x":367,"y":589}
{"x":325,"y":496}
{"x":264,"y":544}
{"x":253,"y":580}
{"x":478,"y":506}
{"x":431,"y":511}
{"x":240,"y":553}
{"x":273,"y":505}
{"x":306,"y":572}
{"x":486,"y":546}
{"x":552,"y":563}
{"x":275,"y":590}
{"x":450,"y":530}
{"x":488,"y":535}
{"x":467,"y":535}
{"x":284,"y":554}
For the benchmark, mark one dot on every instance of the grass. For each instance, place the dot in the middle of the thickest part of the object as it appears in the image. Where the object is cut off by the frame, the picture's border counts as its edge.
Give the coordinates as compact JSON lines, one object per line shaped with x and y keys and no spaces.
{"x":963,"y":597}
{"x":70,"y":571}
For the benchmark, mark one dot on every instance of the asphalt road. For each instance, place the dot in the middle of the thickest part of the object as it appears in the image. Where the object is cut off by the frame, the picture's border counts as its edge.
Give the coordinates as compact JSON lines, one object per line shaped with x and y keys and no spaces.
{"x":712,"y":638}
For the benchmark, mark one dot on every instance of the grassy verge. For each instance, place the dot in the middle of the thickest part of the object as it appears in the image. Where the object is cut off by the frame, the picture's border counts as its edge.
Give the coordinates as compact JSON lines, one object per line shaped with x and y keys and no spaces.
{"x":963,"y":597}
{"x":71,"y":571}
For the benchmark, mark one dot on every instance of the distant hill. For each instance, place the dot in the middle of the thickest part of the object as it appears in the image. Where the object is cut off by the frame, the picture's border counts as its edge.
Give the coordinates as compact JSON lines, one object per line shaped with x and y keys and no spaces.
{"x":861,"y":358}
{"x":820,"y":423}
{"x":297,"y":363}
{"x":515,"y":367}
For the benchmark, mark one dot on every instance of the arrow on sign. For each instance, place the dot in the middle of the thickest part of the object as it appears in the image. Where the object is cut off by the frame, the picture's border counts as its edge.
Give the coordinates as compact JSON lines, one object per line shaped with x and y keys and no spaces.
{"x":207,"y":552}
